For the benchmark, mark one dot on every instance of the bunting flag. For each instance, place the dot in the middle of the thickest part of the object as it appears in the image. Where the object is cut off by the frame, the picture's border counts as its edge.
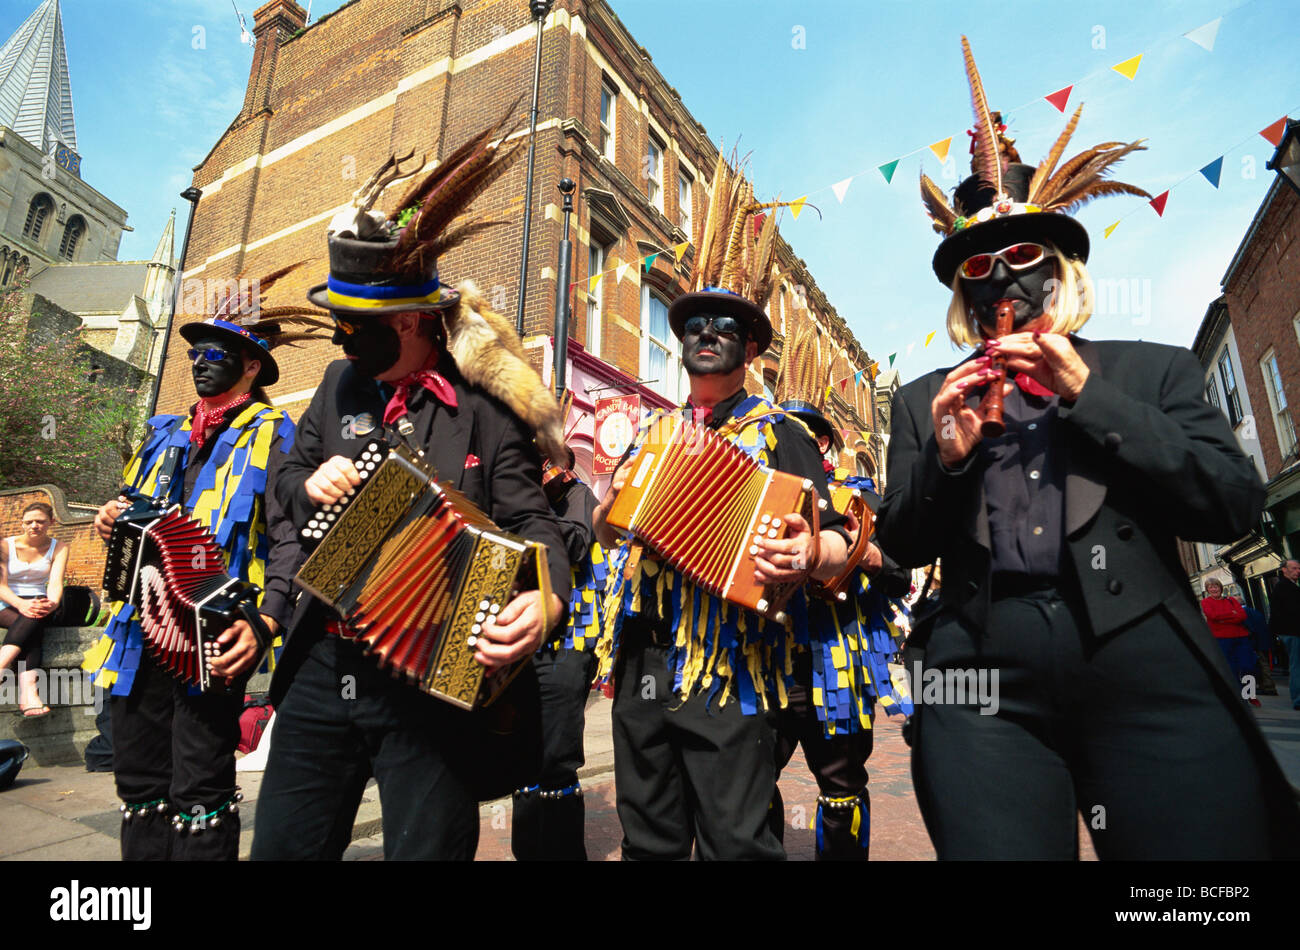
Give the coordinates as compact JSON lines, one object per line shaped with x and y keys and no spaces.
{"x":940,"y":149}
{"x":1158,"y":202}
{"x":650,"y":260}
{"x":891,"y":359}
{"x":1213,"y":170}
{"x":873,"y":369}
{"x":910,"y":347}
{"x":1203,"y":36}
{"x":857,"y":378}
{"x":888,"y":168}
{"x":619,"y":271}
{"x":1060,"y":98}
{"x":929,"y":337}
{"x":1112,"y":227}
{"x":840,"y":187}
{"x":679,"y":250}
{"x":843,"y":383}
{"x":757,"y":221}
{"x":1273,"y":134}
{"x":1129,"y":68}
{"x":593,"y":283}
{"x":796,"y":206}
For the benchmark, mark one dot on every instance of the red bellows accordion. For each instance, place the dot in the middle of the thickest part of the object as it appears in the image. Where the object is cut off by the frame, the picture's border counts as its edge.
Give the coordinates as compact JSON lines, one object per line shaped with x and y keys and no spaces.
{"x":416,"y":570}
{"x":701,"y":503}
{"x":171,"y":570}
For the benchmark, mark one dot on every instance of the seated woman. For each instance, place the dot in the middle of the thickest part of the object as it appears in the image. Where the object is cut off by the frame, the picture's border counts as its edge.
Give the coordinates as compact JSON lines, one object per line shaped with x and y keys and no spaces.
{"x":31,"y":587}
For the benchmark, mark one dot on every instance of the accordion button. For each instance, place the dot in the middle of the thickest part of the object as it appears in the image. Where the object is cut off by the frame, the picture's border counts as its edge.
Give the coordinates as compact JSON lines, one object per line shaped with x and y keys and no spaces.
{"x":306,"y":532}
{"x":494,"y":609}
{"x":480,"y":617}
{"x":483,"y":605}
{"x":476,"y":629}
{"x":318,"y":534}
{"x":772,"y":533}
{"x":766,"y":518}
{"x":472,"y":641}
{"x":330,"y":517}
{"x":753,"y":549}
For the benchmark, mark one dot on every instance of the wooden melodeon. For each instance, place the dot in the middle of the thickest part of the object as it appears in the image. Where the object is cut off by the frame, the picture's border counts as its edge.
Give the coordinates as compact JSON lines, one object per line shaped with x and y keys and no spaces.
{"x":847,"y":501}
{"x":173,"y":572}
{"x":416,"y":570}
{"x":701,"y":504}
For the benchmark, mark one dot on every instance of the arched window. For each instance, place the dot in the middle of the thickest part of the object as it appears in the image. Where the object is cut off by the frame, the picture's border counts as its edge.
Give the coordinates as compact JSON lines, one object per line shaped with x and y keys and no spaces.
{"x":7,"y":264}
{"x":72,"y":234}
{"x":37,"y":214}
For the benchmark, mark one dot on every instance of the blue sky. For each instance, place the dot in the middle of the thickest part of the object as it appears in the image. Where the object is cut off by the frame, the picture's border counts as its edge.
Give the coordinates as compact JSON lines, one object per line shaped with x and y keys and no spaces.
{"x":155,"y":83}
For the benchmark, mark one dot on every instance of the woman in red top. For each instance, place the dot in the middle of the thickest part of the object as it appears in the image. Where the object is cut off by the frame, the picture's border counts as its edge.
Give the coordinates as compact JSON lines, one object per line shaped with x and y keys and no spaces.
{"x":1227,"y":619}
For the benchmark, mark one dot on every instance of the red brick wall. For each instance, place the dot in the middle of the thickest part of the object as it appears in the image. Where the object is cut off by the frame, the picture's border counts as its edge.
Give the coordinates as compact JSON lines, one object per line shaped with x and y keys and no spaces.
{"x":1263,"y":299}
{"x":73,"y":528}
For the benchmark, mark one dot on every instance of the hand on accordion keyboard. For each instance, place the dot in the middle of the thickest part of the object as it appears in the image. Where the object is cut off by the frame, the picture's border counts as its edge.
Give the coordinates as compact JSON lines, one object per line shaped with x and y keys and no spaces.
{"x":518,"y":630}
{"x":790,"y":559}
{"x":240,"y":649}
{"x":335,"y":477}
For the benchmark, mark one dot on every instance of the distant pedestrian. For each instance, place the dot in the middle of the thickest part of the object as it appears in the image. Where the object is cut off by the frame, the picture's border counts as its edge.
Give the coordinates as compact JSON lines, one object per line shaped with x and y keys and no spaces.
{"x":1227,"y":619}
{"x":1285,"y":622}
{"x":1261,"y":641}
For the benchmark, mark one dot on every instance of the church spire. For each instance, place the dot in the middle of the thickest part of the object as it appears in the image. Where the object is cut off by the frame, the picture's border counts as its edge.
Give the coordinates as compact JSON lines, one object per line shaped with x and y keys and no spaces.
{"x":35,"y":92}
{"x":165,"y":252}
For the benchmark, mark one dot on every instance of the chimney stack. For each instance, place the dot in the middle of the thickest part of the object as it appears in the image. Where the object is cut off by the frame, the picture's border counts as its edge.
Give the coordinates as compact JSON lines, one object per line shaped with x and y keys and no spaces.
{"x":274,"y":23}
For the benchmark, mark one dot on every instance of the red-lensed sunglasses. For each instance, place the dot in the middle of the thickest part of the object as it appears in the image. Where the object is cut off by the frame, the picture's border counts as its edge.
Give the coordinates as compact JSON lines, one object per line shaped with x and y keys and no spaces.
{"x":1017,"y":257}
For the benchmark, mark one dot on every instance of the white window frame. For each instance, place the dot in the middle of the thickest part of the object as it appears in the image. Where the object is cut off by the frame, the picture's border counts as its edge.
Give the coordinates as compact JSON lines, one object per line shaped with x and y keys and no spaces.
{"x":608,"y":123}
{"x":655,"y":171}
{"x":670,"y":384}
{"x":1231,"y":394}
{"x":1279,"y":409}
{"x":685,"y":208}
{"x":597,"y":255}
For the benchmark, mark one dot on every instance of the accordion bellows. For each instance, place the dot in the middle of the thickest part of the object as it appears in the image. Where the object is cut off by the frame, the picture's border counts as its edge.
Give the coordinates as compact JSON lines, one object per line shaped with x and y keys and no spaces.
{"x":702,"y":504}
{"x":416,"y":571}
{"x":171,"y":570}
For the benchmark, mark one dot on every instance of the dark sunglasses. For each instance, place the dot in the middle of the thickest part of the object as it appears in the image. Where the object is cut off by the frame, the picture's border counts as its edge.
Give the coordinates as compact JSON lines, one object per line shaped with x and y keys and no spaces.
{"x":1017,"y":257}
{"x":723,"y":326}
{"x":212,"y":355}
{"x":344,"y":325}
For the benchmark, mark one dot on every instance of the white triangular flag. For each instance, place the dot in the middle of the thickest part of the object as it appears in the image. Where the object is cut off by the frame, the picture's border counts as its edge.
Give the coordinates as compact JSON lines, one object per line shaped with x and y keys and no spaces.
{"x":910,"y":347}
{"x":840,"y":187}
{"x":619,"y":272}
{"x":1203,"y":36}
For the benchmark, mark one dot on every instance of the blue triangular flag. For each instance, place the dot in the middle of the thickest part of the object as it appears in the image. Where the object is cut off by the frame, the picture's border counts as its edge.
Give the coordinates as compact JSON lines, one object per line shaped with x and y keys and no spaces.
{"x":1213,"y":170}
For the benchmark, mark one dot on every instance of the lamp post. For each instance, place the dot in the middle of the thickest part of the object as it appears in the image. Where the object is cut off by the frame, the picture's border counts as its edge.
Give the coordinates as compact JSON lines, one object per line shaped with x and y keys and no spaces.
{"x":566,"y":187}
{"x":1286,"y":160}
{"x":192,"y":195}
{"x":540,"y":8}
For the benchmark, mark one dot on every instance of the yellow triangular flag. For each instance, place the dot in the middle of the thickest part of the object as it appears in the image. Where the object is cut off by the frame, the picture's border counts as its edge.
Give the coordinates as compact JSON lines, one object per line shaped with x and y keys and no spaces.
{"x":940,"y":149}
{"x":619,"y":271}
{"x":1129,"y":68}
{"x":1106,"y":233}
{"x":930,"y":337}
{"x":680,"y":249}
{"x":593,"y":283}
{"x":796,"y":206}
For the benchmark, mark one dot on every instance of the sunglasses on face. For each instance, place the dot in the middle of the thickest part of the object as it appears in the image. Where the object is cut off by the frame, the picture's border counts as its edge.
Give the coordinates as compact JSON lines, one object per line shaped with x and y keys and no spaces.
{"x":723,"y":326}
{"x":344,"y":325}
{"x":211,"y":355}
{"x":1017,"y":257}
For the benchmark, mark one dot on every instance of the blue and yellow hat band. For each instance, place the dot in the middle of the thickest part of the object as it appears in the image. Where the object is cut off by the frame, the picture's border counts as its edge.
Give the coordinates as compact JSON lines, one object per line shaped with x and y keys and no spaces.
{"x":236,"y":328}
{"x":362,"y":296}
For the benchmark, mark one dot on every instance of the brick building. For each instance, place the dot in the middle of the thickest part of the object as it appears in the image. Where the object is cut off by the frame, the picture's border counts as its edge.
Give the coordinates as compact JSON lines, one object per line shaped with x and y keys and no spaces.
{"x":325,"y":105}
{"x":1249,"y":343}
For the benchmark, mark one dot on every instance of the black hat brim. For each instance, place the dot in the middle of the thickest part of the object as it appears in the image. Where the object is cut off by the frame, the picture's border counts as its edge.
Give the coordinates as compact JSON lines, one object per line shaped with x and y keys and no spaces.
{"x":269,"y":374}
{"x":319,"y":296}
{"x":1060,"y":229}
{"x":812,"y":418}
{"x":721,"y":305}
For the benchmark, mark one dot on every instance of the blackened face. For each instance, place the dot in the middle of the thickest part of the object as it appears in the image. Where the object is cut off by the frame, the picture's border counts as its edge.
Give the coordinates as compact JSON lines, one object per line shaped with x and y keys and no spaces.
{"x":1027,"y":289}
{"x":373,"y":347}
{"x":712,"y":352}
{"x":213,"y":378}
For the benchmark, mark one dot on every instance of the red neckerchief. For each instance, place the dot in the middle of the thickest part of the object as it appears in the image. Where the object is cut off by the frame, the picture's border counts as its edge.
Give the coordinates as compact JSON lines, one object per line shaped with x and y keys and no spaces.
{"x":208,"y":413}
{"x":827,"y":466}
{"x":1032,"y":386}
{"x":430,"y":380}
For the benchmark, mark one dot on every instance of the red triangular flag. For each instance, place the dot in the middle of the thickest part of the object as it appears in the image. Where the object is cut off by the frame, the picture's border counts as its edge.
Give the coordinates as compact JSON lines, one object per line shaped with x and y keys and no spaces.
{"x":1158,"y":202}
{"x":1274,"y":132}
{"x":843,"y":383}
{"x":1060,"y":98}
{"x":758,"y":224}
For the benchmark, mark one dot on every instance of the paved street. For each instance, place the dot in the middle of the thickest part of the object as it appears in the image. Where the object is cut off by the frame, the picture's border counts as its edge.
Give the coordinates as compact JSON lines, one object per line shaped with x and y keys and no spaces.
{"x":64,"y":813}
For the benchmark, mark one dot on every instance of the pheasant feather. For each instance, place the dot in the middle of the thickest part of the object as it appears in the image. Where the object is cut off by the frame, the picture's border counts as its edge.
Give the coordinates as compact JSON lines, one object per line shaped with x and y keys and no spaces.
{"x":1048,"y":165}
{"x":988,"y":164}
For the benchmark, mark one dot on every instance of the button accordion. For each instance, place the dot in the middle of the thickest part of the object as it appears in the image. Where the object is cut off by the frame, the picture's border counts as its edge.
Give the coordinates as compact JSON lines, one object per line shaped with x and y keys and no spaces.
{"x":848,"y":501}
{"x":701,"y":503}
{"x":415,"y":570}
{"x":172,"y":571}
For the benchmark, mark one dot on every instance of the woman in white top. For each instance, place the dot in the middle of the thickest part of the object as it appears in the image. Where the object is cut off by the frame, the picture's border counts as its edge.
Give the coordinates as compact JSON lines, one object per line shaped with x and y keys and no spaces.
{"x":31,"y":588}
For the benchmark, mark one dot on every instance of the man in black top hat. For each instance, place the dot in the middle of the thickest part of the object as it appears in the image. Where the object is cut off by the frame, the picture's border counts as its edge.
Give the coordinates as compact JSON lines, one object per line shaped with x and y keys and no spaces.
{"x":340,"y":717}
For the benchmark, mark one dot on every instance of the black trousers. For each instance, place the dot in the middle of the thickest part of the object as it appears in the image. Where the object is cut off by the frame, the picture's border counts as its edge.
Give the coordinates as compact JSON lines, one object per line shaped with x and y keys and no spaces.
{"x":838,"y":763}
{"x":688,"y":772}
{"x":343,"y":720}
{"x":176,"y":747}
{"x":28,"y":634}
{"x":1125,"y":730}
{"x":551,"y":829}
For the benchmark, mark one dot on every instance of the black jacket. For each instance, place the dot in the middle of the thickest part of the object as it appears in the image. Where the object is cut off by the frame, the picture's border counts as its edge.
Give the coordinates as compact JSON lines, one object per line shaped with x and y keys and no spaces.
{"x":1284,"y":609}
{"x":505,"y":481}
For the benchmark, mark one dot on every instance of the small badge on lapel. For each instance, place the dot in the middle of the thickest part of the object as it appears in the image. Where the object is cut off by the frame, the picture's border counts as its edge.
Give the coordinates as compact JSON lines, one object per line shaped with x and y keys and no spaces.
{"x":471,"y":461}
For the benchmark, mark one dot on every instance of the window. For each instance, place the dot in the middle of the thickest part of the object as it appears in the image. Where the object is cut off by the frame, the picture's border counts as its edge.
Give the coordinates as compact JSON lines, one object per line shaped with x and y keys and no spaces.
{"x":661,"y":354}
{"x":72,"y":234}
{"x":1231,"y":398}
{"x":1212,"y":393}
{"x":596,"y":257}
{"x":37,"y":214}
{"x":654,"y":172}
{"x":684,"y":195}
{"x":608,"y":114}
{"x":1277,"y":402}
